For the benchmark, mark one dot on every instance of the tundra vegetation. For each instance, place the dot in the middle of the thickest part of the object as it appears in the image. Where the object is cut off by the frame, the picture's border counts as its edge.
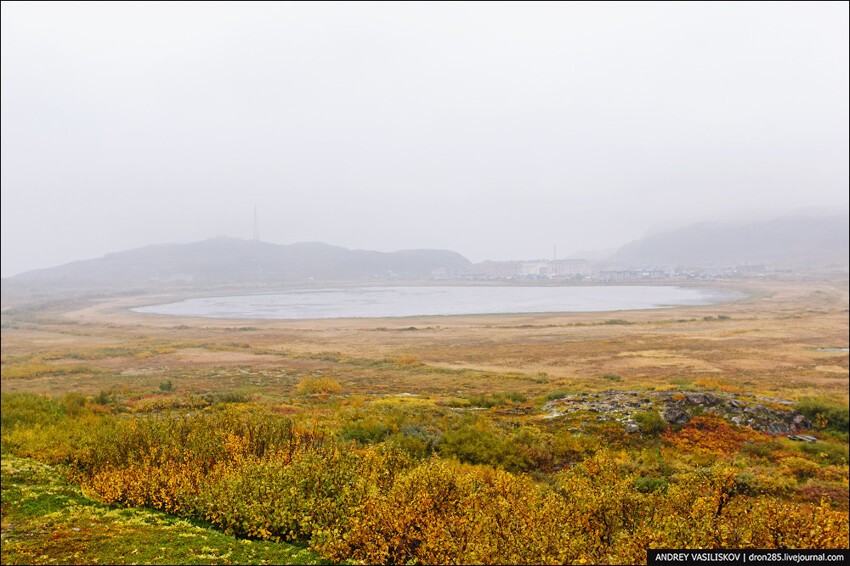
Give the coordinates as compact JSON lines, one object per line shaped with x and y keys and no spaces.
{"x":521,"y":439}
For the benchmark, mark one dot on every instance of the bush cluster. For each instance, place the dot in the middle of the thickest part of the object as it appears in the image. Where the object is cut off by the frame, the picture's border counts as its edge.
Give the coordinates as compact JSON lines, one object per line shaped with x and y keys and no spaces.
{"x":257,"y":474}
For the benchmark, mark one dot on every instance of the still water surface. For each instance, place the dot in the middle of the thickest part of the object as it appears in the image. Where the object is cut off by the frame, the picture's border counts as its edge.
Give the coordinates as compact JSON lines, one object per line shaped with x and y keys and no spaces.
{"x":373,"y":302}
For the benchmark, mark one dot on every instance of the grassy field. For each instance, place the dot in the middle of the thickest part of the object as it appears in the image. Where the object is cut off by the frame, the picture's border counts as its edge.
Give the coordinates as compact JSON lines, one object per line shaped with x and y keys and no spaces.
{"x":402,"y":406}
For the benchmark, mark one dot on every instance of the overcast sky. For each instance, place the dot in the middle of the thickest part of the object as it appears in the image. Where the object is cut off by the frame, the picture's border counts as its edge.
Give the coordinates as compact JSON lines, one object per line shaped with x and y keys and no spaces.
{"x":496,"y":130}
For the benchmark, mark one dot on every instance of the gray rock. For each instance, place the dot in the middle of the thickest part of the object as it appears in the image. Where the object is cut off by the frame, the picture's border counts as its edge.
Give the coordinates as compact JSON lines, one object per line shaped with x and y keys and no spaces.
{"x":800,"y":422}
{"x":695,"y":399}
{"x":774,"y":428}
{"x":676,"y":407}
{"x":674,"y":415}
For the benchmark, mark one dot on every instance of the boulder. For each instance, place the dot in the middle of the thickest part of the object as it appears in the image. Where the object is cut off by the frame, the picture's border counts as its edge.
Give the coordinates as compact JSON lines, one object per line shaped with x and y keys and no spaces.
{"x":674,"y":415}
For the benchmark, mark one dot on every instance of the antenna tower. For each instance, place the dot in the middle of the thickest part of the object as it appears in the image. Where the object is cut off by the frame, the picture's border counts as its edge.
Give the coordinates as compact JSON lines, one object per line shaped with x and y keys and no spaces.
{"x":256,"y":237}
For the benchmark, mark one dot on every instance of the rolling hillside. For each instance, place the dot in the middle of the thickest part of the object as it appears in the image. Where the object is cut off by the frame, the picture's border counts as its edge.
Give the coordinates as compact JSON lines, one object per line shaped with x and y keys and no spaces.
{"x":792,"y":241}
{"x":235,"y":261}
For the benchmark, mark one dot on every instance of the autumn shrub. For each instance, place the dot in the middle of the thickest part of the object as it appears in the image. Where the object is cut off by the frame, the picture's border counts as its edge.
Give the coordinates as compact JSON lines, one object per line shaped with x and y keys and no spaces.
{"x":103,"y":398}
{"x":366,"y":430}
{"x":777,"y":524}
{"x":270,"y":499}
{"x":568,"y":448}
{"x":312,"y":497}
{"x":745,"y":484}
{"x":164,"y":403}
{"x":825,"y":414}
{"x":52,"y":443}
{"x":473,"y":443}
{"x":816,"y":492}
{"x":766,"y":449}
{"x":497,"y":399}
{"x":408,"y":421}
{"x":405,"y":361}
{"x":171,"y":462}
{"x":650,"y":422}
{"x":166,"y":484}
{"x":37,"y":368}
{"x":529,"y":449}
{"x":647,"y":484}
{"x":652,"y":462}
{"x":560,"y":394}
{"x":27,"y":409}
{"x":53,"y":430}
{"x":411,"y":445}
{"x":702,"y":508}
{"x":827,"y":452}
{"x":232,"y":396}
{"x":73,"y":404}
{"x":801,"y":467}
{"x":600,"y":491}
{"x":710,"y":434}
{"x":204,"y":439}
{"x":410,"y":522}
{"x":714,"y":384}
{"x":443,"y":512}
{"x":405,"y":481}
{"x":415,"y":440}
{"x":318,"y":386}
{"x":765,"y":481}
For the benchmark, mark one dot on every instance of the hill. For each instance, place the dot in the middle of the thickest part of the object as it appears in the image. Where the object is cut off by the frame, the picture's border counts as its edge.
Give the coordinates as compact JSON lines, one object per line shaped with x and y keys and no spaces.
{"x":234,"y":261}
{"x":791,"y":241}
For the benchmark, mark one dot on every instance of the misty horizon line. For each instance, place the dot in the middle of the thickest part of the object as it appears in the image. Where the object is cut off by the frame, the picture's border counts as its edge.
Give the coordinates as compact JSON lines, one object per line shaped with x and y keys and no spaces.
{"x":595,"y":255}
{"x":260,"y":241}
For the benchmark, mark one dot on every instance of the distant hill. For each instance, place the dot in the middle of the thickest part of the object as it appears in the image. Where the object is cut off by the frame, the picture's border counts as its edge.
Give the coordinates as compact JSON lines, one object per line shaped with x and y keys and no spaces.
{"x":791,"y":241}
{"x":234,"y":261}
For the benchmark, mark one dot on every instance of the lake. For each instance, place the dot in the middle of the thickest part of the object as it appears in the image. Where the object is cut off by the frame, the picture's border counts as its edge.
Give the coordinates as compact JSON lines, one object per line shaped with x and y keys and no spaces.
{"x":378,"y":302}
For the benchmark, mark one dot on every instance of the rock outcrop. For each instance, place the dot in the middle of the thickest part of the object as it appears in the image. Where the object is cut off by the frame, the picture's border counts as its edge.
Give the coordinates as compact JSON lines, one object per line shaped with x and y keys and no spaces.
{"x":773,"y":416}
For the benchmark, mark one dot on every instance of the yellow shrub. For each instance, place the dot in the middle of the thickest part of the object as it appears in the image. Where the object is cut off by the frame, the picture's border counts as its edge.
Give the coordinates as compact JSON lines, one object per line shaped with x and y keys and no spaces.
{"x":318,"y":386}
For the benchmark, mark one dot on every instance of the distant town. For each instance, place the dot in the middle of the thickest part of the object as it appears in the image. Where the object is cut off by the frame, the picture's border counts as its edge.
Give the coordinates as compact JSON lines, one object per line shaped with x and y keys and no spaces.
{"x":586,"y":271}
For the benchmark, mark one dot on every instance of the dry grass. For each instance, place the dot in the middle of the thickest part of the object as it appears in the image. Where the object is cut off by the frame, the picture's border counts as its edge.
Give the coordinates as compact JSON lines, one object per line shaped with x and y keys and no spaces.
{"x":766,"y":344}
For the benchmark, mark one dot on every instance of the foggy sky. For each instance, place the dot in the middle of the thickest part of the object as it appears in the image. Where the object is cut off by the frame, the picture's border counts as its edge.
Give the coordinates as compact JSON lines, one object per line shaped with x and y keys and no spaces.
{"x":496,"y":130}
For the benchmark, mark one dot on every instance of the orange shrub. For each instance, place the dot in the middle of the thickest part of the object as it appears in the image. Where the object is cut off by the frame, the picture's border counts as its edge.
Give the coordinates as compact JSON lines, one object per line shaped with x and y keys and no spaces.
{"x":710,"y":433}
